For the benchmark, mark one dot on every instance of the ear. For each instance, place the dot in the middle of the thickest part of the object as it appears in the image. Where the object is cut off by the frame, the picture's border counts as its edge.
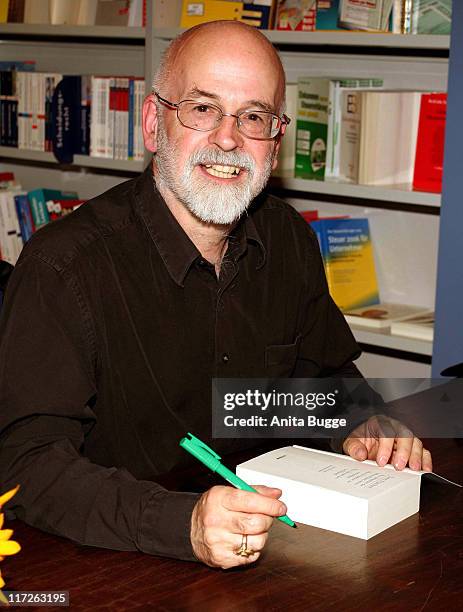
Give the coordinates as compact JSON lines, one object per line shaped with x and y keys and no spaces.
{"x":276,"y":150}
{"x":150,"y":123}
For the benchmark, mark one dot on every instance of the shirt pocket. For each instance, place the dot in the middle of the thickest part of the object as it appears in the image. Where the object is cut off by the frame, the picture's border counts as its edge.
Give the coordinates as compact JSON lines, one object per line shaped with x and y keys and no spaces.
{"x":280,"y":359}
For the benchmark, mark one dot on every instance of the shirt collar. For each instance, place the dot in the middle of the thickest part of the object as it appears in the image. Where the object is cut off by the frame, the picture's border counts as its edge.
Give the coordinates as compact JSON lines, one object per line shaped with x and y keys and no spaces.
{"x":176,"y":249}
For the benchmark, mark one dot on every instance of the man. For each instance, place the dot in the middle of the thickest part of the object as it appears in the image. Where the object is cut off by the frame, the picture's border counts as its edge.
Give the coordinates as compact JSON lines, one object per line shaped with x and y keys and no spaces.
{"x":117,"y":318}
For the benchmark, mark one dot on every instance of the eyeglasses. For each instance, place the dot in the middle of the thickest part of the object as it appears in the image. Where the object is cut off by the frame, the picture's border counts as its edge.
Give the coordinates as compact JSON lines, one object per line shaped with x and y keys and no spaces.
{"x":204,"y":117}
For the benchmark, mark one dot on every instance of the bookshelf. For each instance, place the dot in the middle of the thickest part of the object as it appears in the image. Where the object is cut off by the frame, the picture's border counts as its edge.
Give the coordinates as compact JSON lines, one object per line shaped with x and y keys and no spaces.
{"x":401,"y":60}
{"x":340,"y":39}
{"x":83,"y":161}
{"x":398,"y":194}
{"x":29,"y":30}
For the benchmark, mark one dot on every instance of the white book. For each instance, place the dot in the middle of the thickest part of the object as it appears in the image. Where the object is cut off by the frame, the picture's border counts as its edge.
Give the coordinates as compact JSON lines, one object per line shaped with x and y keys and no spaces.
{"x":111,"y":123}
{"x":382,"y":315}
{"x":356,"y":15}
{"x":333,"y":144}
{"x":135,"y":14}
{"x":418,"y":327}
{"x":389,"y":129}
{"x":99,"y":130}
{"x":84,"y":12}
{"x":125,"y":120}
{"x":61,"y":11}
{"x":349,"y":137}
{"x":139,"y":93}
{"x":9,"y":227}
{"x":20,"y":91}
{"x":336,"y":492}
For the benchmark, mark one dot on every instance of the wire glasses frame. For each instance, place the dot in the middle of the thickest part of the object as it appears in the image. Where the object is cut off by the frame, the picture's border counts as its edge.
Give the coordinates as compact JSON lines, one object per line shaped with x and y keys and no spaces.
{"x":205,"y":117}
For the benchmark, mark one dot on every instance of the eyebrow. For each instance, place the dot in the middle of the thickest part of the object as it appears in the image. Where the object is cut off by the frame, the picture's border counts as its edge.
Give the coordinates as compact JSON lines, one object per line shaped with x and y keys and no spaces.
{"x":196,"y":92}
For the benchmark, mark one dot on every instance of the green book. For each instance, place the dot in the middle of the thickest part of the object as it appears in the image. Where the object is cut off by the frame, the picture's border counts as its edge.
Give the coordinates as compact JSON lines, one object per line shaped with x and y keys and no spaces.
{"x":38,"y":199}
{"x":431,"y":16}
{"x":312,"y":127}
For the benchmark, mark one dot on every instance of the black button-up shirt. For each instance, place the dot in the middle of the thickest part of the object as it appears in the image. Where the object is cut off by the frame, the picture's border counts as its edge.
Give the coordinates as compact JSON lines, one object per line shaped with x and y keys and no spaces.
{"x":112,"y":329}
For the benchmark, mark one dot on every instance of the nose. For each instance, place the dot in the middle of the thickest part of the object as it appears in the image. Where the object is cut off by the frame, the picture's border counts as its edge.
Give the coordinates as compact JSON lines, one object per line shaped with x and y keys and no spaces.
{"x":226,"y":135}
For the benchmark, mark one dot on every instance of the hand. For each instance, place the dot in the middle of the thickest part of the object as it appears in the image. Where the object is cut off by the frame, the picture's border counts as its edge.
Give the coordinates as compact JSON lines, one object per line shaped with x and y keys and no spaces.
{"x":386,"y":439}
{"x":221,"y":517}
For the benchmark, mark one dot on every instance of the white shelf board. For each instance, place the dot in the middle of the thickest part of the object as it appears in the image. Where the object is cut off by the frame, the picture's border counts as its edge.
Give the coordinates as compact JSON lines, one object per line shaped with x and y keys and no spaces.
{"x":384,"y":339}
{"x":79,"y":160}
{"x":46,"y":30}
{"x":401,"y":194}
{"x":351,"y":39}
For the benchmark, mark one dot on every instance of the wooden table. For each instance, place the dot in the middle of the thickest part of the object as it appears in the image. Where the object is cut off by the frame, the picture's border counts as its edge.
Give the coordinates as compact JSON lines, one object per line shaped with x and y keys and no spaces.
{"x":416,"y":565}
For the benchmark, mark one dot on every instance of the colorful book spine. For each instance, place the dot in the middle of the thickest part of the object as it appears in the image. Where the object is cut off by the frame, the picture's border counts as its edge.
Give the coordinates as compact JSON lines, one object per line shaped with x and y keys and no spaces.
{"x":38,"y":199}
{"x":130,"y":154}
{"x":312,"y":127}
{"x":327,"y":15}
{"x":23,"y":211}
{"x":297,"y":15}
{"x":347,"y":252}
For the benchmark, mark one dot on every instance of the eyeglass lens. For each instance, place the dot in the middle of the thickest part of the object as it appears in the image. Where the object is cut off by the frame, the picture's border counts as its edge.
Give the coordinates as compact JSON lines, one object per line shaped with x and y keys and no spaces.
{"x":204,"y":117}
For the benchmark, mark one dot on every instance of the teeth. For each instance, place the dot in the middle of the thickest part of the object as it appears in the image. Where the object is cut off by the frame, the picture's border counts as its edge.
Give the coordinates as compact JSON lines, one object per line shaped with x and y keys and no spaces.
{"x":222,"y":171}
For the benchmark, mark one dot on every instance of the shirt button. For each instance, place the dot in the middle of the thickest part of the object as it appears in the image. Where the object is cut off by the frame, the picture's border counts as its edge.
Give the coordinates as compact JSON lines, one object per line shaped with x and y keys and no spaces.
{"x":202,"y":263}
{"x":225,"y":357}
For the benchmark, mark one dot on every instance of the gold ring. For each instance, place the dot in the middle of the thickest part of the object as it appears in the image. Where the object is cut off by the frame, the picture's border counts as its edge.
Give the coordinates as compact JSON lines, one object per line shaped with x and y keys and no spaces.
{"x":243,"y":550}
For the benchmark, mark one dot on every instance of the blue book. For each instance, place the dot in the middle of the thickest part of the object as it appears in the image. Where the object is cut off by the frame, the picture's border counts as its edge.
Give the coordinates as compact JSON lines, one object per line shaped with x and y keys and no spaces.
{"x":131,"y":112}
{"x":327,"y":15}
{"x":17,"y":65}
{"x":66,"y":119}
{"x":23,"y":211}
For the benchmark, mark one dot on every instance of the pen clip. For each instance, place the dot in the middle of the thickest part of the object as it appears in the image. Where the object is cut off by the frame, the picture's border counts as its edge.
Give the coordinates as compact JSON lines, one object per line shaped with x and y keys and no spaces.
{"x":194,"y":441}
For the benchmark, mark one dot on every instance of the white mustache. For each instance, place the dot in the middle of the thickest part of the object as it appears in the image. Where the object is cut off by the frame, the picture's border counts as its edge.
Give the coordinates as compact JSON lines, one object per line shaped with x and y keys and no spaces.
{"x":222,"y":158}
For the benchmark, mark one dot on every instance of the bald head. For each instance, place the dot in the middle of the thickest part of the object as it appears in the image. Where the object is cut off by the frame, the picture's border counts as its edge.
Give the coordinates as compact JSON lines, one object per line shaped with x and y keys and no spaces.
{"x":233,"y":40}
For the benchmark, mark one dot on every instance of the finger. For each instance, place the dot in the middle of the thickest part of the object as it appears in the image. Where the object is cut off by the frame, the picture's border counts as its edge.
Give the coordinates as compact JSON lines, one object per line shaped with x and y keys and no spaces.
{"x":255,"y":543}
{"x":385,"y":448}
{"x":355,"y":448}
{"x":241,"y":522}
{"x":227,"y":555}
{"x":426,"y":460}
{"x":416,"y":454}
{"x":252,"y":503}
{"x":268,"y":491}
{"x":402,"y":452}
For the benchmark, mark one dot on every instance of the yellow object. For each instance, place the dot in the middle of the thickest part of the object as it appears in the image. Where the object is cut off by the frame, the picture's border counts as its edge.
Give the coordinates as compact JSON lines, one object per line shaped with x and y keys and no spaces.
{"x":7,"y":546}
{"x":194,"y":13}
{"x":4,"y":11}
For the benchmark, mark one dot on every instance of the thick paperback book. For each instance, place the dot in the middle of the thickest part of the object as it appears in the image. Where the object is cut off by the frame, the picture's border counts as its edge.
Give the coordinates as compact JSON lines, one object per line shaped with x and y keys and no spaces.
{"x":336,"y":492}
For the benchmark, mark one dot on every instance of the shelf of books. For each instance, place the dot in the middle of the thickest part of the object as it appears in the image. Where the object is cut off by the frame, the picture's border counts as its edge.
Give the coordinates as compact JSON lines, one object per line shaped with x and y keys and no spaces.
{"x":340,"y":39}
{"x":79,"y":160}
{"x":400,"y":194}
{"x":50,"y":31}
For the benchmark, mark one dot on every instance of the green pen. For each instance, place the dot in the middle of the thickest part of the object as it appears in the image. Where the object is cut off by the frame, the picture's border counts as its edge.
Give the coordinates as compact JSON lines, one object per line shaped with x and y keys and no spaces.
{"x":211,"y":459}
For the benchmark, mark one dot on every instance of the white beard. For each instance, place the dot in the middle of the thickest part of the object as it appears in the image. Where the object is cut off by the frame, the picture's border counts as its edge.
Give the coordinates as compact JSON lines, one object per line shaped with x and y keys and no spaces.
{"x":208,"y":201}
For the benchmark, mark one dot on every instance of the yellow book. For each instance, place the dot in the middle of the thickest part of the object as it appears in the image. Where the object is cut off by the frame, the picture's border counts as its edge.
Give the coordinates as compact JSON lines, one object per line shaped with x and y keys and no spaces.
{"x":347,"y":253}
{"x":4,"y":10}
{"x":194,"y":13}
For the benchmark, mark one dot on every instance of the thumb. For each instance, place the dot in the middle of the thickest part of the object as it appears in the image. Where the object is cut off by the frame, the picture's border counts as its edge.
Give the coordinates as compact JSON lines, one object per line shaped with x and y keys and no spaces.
{"x":355,"y":448}
{"x":268,"y":491}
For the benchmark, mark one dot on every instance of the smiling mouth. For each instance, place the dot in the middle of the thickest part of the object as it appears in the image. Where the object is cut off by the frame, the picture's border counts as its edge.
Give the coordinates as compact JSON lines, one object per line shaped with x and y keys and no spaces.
{"x":226,"y":172}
